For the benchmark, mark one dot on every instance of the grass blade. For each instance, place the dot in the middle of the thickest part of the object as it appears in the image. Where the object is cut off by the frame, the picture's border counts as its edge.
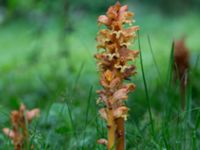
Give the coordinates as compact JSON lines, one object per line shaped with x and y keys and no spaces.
{"x":154,"y":59}
{"x":196,"y":63}
{"x":145,"y":86}
{"x":72,"y":123}
{"x":87,"y":112}
{"x":171,"y":65}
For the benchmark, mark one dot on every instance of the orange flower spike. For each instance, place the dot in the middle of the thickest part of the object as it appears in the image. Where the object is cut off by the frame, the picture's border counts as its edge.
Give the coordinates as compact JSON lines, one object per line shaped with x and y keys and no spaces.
{"x":19,"y":133}
{"x":181,"y":67}
{"x":114,"y":68}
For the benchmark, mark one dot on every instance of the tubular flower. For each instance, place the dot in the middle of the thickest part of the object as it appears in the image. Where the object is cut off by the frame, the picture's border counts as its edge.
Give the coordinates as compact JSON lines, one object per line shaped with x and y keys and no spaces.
{"x":19,"y":120}
{"x":114,"y":60}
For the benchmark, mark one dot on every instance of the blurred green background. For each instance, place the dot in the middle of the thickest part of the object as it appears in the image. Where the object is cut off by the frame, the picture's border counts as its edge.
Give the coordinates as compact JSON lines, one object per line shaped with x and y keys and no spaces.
{"x":46,"y":61}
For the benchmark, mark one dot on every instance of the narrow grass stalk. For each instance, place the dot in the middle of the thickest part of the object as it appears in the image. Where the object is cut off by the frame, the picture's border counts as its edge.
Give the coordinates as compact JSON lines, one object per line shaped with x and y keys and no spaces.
{"x":70,"y":95}
{"x":145,"y":86}
{"x":154,"y":59}
{"x":197,"y":62}
{"x":78,"y":77}
{"x":197,"y":121}
{"x":194,"y":133}
{"x":165,"y":142}
{"x":72,"y":123}
{"x":87,"y":112}
{"x":170,"y":67}
{"x":188,"y":102}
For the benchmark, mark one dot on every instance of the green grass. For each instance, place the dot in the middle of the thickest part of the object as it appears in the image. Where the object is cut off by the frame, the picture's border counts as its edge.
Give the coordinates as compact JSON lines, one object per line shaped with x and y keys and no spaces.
{"x":34,"y":71}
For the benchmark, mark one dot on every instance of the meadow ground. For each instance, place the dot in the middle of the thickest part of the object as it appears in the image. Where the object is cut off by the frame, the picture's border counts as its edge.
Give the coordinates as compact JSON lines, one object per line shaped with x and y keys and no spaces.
{"x":40,"y":69}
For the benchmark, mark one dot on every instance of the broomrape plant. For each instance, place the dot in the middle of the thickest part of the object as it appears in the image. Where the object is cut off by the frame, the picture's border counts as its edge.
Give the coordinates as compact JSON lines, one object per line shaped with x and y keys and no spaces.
{"x":19,"y":133}
{"x":114,"y":63}
{"x":181,"y":67}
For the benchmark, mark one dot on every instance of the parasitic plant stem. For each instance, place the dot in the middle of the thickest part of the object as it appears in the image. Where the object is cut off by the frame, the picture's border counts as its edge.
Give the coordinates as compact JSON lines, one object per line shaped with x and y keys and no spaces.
{"x":120,"y":134}
{"x":111,"y":130}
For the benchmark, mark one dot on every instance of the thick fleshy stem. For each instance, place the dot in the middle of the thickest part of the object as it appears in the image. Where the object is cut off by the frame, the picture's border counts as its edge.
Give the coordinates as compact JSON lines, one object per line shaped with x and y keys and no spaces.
{"x":120,"y":134}
{"x":111,"y":130}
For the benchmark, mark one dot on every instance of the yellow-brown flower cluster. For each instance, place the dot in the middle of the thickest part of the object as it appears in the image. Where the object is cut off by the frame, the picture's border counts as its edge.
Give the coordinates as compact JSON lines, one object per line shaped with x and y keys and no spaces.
{"x":19,"y":120}
{"x":114,"y":60}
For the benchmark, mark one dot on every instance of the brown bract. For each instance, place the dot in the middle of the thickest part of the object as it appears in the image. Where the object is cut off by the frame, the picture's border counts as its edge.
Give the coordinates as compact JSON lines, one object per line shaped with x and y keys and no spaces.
{"x":102,"y":141}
